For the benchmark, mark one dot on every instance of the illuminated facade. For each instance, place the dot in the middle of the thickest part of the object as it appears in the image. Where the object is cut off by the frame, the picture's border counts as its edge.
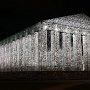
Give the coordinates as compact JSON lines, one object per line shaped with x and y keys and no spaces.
{"x":55,"y":44}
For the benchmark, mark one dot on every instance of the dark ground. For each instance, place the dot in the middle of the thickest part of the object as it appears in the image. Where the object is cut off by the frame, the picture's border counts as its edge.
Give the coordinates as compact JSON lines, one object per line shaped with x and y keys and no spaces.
{"x":46,"y":80}
{"x":50,"y":85}
{"x":44,"y":75}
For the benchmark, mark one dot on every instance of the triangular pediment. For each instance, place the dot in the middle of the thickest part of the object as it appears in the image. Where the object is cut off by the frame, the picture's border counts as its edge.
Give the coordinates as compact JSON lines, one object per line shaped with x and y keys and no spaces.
{"x":78,"y":20}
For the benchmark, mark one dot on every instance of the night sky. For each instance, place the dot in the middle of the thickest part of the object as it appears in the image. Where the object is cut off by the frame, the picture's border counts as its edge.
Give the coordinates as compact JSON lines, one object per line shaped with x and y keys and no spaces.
{"x":16,"y":15}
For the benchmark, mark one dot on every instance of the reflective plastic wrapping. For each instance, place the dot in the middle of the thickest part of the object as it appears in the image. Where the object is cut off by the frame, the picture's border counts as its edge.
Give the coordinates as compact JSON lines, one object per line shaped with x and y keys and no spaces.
{"x":56,"y":44}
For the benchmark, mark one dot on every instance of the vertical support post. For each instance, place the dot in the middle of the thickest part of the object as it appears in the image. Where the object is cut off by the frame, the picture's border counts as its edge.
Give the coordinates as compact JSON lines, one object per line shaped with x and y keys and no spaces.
{"x":42,"y":47}
{"x":63,"y":51}
{"x":33,"y":51}
{"x":57,"y":51}
{"x":17,"y":60}
{"x":72,"y":51}
{"x":52,"y":49}
{"x":5,"y":58}
{"x":14,"y":55}
{"x":20,"y":54}
{"x":24,"y":49}
{"x":29,"y":53}
{"x":39,"y":50}
{"x":25,"y":52}
{"x":88,"y":51}
{"x":74,"y":59}
{"x":2,"y":56}
{"x":85,"y":58}
{"x":9,"y":61}
{"x":77,"y":51}
{"x":36,"y":50}
{"x":67,"y":51}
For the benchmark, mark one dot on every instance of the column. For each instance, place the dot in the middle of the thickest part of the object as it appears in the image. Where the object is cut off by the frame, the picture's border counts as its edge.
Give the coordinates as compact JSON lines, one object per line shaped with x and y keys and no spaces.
{"x":0,"y":57}
{"x":77,"y":51}
{"x":8,"y":61}
{"x":66,"y":51}
{"x":9,"y":56}
{"x":3,"y":58}
{"x":52,"y":49}
{"x":18,"y":55}
{"x":6,"y":57}
{"x":14,"y":55}
{"x":88,"y":50}
{"x":36,"y":50}
{"x":42,"y":50}
{"x":57,"y":61}
{"x":2,"y":52}
{"x":33,"y":51}
{"x":84,"y":53}
{"x":29,"y":64}
{"x":21,"y":54}
{"x":24,"y":54}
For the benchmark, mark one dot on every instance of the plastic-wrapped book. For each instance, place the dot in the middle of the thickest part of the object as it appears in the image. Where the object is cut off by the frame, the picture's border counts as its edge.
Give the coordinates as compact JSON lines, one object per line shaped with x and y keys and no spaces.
{"x":59,"y":44}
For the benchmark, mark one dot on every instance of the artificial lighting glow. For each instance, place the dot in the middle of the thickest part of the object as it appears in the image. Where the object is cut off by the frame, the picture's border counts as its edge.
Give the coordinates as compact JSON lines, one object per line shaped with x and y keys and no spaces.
{"x":45,"y":27}
{"x":56,"y":28}
{"x":52,"y":46}
{"x":84,"y":33}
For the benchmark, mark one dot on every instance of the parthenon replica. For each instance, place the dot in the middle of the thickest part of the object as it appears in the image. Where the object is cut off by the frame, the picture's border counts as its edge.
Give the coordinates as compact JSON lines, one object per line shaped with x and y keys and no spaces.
{"x":59,"y":44}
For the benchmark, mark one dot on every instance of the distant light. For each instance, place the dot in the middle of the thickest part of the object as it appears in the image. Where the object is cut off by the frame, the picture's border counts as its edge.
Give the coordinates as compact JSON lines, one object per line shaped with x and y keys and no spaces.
{"x":56,"y":28}
{"x":67,"y":30}
{"x":45,"y":27}
{"x":76,"y":31}
{"x":84,"y":33}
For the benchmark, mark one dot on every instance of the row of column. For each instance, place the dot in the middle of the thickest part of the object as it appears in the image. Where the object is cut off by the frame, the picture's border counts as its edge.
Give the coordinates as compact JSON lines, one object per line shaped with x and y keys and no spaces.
{"x":68,"y":52}
{"x":47,"y":50}
{"x":20,"y":54}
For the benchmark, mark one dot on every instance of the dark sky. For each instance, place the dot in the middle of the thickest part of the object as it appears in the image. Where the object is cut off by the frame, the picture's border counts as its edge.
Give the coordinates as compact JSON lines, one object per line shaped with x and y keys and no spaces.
{"x":17,"y":15}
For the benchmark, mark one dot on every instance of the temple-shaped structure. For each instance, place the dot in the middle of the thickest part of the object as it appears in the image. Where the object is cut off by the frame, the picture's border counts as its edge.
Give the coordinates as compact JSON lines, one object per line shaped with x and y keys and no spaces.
{"x":56,"y":44}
